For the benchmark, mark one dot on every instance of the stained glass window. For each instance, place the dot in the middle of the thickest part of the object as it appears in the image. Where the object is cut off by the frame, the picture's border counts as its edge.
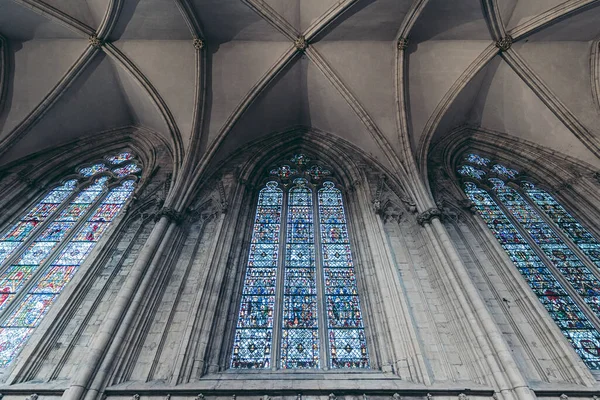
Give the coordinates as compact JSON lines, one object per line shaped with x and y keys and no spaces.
{"x":477,"y":160}
{"x":254,"y":331}
{"x":300,"y":334}
{"x":347,"y":343}
{"x":569,"y":225}
{"x":551,"y":267}
{"x":66,"y":226}
{"x":469,"y":171}
{"x":313,"y":287}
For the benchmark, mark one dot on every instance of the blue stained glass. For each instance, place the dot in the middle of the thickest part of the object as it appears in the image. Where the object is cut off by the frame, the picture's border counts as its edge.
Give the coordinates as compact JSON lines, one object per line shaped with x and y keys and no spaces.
{"x":347,"y":343}
{"x":467,"y":170}
{"x":254,"y":329}
{"x":93,"y":170}
{"x":567,"y":315}
{"x":19,"y":232}
{"x":507,"y":172}
{"x":561,"y":256}
{"x":477,"y":160}
{"x":11,"y":342}
{"x":48,"y":286}
{"x":569,"y":225}
{"x":300,"y":335}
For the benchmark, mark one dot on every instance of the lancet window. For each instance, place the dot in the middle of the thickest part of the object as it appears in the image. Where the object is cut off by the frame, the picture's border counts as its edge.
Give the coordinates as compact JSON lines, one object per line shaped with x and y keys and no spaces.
{"x":42,"y":250}
{"x":556,"y":255}
{"x":300,"y":306}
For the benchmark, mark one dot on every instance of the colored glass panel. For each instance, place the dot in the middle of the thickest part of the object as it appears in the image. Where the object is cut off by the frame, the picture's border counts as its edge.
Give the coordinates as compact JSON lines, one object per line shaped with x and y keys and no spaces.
{"x":127,"y":170}
{"x":119,"y":158}
{"x":561,"y":256}
{"x":572,"y":322}
{"x":317,"y":172}
{"x":284,"y":172}
{"x":469,"y":171}
{"x":93,"y":170}
{"x":347,"y":343}
{"x":300,"y":160}
{"x":17,"y":326}
{"x":21,"y":231}
{"x":477,"y":160}
{"x":569,"y":225}
{"x":300,"y":335}
{"x":504,"y":171}
{"x":254,"y":330}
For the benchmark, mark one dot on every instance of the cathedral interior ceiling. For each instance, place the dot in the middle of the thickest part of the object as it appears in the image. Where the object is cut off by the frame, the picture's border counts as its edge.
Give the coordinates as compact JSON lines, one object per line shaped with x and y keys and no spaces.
{"x":248,"y":77}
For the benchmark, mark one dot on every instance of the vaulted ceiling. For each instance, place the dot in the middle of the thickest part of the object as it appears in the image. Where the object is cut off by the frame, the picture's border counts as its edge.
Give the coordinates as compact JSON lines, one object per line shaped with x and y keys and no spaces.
{"x":251,"y":76}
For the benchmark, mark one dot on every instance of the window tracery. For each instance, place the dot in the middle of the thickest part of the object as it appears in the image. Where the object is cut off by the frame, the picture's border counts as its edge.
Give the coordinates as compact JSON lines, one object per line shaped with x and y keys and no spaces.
{"x":554,"y":253}
{"x":300,"y":278}
{"x":42,"y":251}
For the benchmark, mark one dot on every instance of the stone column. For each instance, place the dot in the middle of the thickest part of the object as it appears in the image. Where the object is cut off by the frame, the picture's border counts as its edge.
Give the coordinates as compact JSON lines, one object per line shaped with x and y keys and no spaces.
{"x":118,"y":319}
{"x":505,"y":372}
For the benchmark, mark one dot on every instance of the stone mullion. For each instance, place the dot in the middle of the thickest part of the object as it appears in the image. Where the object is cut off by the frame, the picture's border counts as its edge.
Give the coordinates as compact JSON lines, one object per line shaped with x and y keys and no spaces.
{"x":528,"y":303}
{"x":404,"y":342}
{"x":508,"y":380}
{"x":323,"y":329}
{"x":146,"y":263}
{"x":280,"y":286}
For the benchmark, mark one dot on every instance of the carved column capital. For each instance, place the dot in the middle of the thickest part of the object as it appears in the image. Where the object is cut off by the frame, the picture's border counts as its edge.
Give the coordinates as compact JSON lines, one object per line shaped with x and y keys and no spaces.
{"x":402,"y":43}
{"x":198,"y":44}
{"x":504,"y":43}
{"x":300,"y":43}
{"x":467,"y":204}
{"x":171,"y":214}
{"x":95,"y":41}
{"x":426,"y":216}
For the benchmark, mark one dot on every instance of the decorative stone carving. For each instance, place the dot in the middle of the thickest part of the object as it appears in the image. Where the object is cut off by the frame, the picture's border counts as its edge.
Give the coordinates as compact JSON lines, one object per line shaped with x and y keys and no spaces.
{"x":332,"y":396}
{"x":198,"y":44}
{"x":467,"y":204}
{"x":224,"y":202}
{"x":462,"y":396}
{"x":504,"y":43}
{"x":564,"y":397}
{"x":135,"y":397}
{"x":426,"y":216}
{"x":402,"y":43}
{"x":266,"y":397}
{"x":495,"y":396}
{"x":396,"y":396}
{"x":171,"y":214}
{"x":95,"y":41}
{"x":365,"y":396}
{"x":168,"y":396}
{"x":429,"y":396}
{"x":200,"y":396}
{"x":34,"y":396}
{"x":300,"y":43}
{"x":299,"y":396}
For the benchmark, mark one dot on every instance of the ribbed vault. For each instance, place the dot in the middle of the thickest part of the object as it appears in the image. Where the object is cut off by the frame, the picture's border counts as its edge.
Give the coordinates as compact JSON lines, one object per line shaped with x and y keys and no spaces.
{"x":211,"y":76}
